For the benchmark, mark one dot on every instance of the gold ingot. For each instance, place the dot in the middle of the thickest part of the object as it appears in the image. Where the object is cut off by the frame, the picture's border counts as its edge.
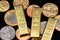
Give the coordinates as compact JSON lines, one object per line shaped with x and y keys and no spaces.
{"x":10,"y":18}
{"x":58,"y":22}
{"x":35,"y":30}
{"x":25,"y":3}
{"x":49,"y":29}
{"x":50,"y":10}
{"x":4,"y":6}
{"x":22,"y":25}
{"x":30,"y":8}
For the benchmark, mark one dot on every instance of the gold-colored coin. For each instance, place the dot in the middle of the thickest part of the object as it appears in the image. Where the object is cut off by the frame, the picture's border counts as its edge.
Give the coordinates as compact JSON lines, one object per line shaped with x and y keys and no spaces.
{"x":25,"y":3}
{"x":22,"y":38}
{"x":58,"y":22}
{"x":50,"y":10}
{"x":10,"y":18}
{"x":4,"y":6}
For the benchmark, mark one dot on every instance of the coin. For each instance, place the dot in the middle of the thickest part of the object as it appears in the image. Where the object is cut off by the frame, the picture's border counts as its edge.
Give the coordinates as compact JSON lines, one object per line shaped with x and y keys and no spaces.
{"x":43,"y":24}
{"x":25,"y":3}
{"x":50,"y":10}
{"x":10,"y":18}
{"x":58,"y":23}
{"x":7,"y":32}
{"x":30,"y":8}
{"x":22,"y":38}
{"x":4,"y":6}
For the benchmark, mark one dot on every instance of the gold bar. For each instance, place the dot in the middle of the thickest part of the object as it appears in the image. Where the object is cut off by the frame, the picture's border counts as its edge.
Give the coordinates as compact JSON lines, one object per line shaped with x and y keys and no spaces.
{"x":36,"y":17}
{"x":21,"y":19}
{"x":49,"y":29}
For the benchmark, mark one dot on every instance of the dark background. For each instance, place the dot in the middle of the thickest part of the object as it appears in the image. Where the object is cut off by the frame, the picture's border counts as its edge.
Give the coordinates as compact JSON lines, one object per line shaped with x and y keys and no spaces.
{"x":56,"y":34}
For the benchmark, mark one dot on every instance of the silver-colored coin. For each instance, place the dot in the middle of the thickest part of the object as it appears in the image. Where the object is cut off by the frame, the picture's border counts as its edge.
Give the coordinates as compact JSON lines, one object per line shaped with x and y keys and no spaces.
{"x":50,"y":10}
{"x":7,"y":32}
{"x":43,"y":24}
{"x":58,"y":22}
{"x":12,"y":18}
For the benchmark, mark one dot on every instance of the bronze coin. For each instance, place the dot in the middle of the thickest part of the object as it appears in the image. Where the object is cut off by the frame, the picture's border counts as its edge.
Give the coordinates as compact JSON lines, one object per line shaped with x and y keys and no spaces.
{"x":30,"y":8}
{"x":22,"y":38}
{"x":50,"y":10}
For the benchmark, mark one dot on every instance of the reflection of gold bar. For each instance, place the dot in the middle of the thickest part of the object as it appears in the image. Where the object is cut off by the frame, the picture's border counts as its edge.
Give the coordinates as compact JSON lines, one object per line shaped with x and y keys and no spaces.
{"x":49,"y":29}
{"x":36,"y":16}
{"x":21,"y":20}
